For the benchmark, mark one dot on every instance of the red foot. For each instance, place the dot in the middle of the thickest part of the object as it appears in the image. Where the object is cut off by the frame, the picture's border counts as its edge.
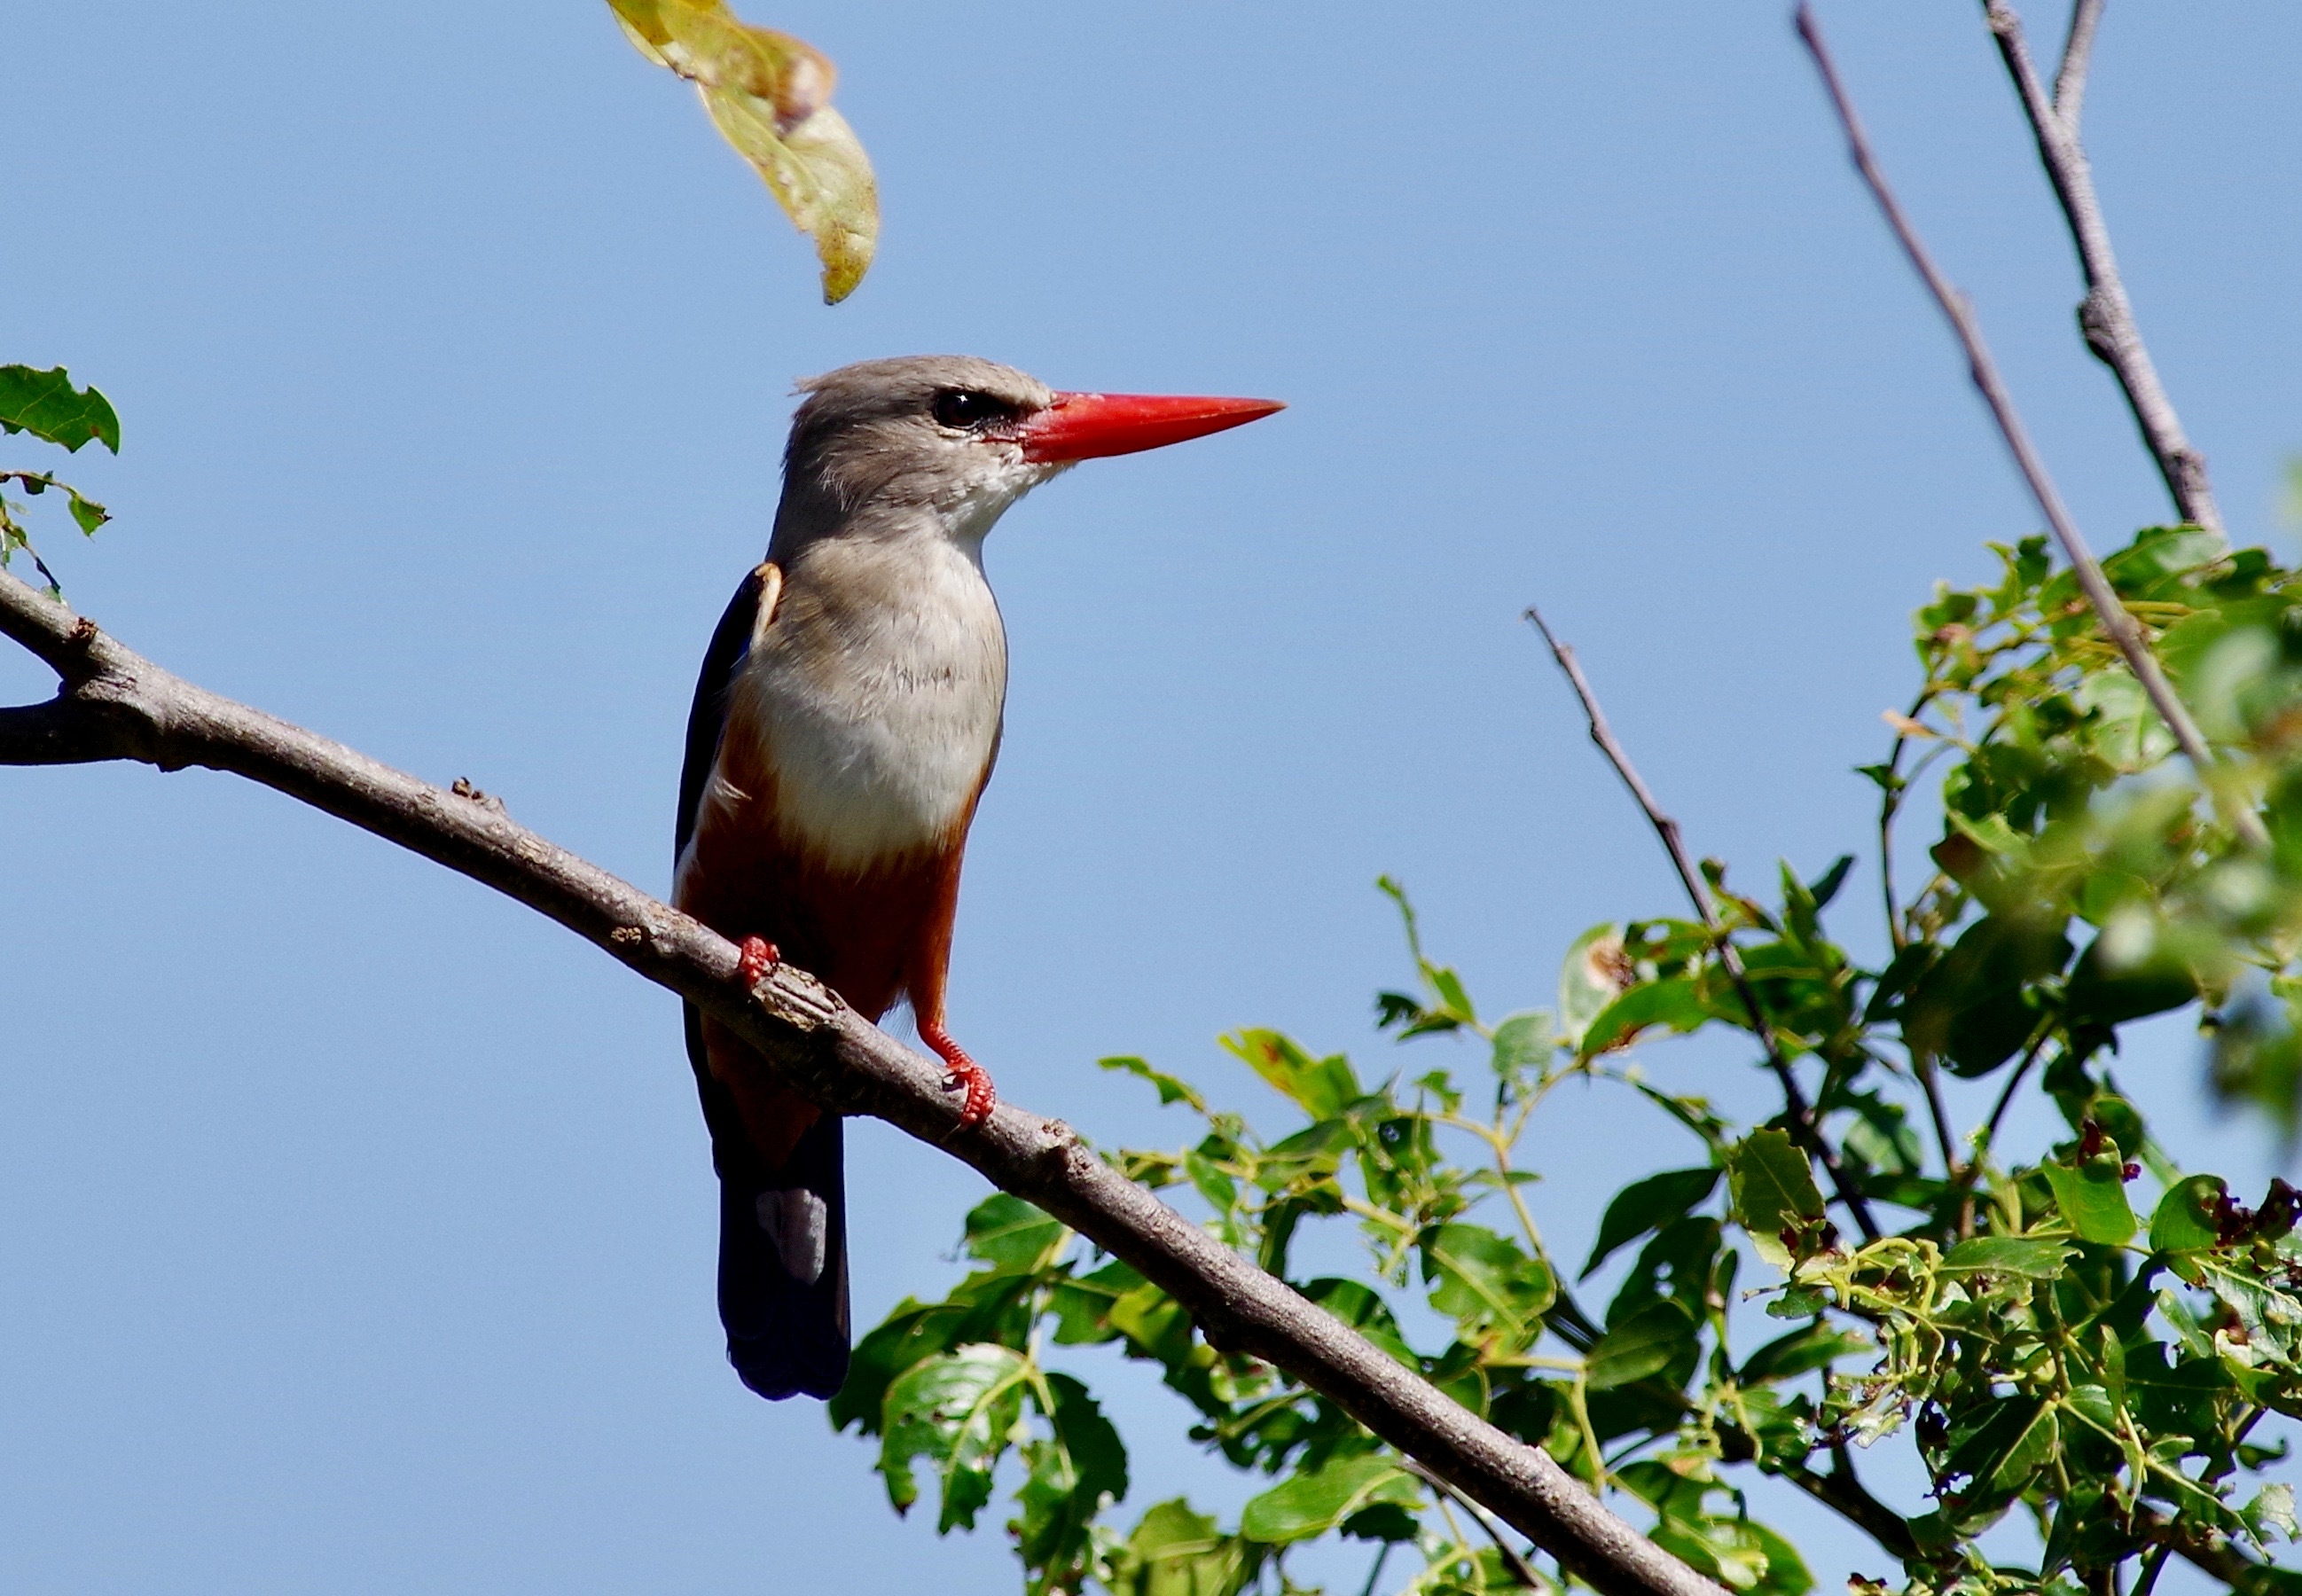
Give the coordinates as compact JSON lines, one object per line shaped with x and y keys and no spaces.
{"x":965,"y":1072}
{"x":759,"y":956}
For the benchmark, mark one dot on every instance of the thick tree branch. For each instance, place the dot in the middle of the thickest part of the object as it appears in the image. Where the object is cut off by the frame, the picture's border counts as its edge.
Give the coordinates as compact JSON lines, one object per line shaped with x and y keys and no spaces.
{"x":2120,"y":626}
{"x":1794,"y":1103}
{"x":115,"y":705}
{"x":2105,"y":316}
{"x":2210,"y":1553}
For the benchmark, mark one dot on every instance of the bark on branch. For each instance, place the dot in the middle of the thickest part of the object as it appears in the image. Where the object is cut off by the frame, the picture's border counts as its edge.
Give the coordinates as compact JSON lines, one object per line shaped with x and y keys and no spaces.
{"x":113,"y":704}
{"x":2105,"y":316}
{"x":2119,"y":625}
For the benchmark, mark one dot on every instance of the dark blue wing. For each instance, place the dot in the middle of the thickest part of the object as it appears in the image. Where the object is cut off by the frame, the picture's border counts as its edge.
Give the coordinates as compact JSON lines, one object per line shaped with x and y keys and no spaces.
{"x":709,"y":715}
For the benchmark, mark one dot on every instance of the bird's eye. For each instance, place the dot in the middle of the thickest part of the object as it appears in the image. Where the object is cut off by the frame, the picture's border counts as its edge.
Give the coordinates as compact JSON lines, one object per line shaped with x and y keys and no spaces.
{"x":965,"y":411}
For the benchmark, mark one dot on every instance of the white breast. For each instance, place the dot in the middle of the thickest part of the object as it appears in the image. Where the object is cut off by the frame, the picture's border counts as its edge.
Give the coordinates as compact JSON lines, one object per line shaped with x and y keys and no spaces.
{"x":876,"y":696}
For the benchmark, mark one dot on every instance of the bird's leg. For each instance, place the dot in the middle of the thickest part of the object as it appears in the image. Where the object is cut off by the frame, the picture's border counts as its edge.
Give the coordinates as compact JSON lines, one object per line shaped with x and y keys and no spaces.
{"x":759,"y":955}
{"x":965,"y":1072}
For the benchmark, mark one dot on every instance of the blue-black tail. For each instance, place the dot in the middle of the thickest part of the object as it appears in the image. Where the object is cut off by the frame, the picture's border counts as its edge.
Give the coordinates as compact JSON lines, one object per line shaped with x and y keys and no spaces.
{"x":783,"y":1251}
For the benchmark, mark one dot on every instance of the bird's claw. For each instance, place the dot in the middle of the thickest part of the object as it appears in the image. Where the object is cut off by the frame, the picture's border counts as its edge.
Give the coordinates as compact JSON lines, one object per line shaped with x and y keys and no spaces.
{"x":981,"y":1096}
{"x":966,"y":1075}
{"x":757,"y":956}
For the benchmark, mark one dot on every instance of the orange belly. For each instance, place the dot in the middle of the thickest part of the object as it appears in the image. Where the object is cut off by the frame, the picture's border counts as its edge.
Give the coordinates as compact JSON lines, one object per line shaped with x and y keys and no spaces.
{"x":874,"y":936}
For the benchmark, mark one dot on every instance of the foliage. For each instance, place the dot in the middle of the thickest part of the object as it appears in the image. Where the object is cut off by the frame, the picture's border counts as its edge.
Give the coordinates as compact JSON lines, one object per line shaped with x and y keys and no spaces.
{"x":2048,"y":1346}
{"x":45,"y":404}
{"x":769,"y":95}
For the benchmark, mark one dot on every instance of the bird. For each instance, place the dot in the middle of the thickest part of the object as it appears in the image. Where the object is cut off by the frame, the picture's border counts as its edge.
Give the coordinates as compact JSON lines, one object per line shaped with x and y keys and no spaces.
{"x":845,"y":723}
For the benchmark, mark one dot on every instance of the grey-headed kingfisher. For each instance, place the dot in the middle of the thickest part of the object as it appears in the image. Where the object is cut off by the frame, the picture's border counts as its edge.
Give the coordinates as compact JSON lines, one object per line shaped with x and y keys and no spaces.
{"x":843,"y":730}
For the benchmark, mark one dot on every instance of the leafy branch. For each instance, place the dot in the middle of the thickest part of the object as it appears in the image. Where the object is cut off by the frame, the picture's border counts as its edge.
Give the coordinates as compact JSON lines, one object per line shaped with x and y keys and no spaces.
{"x":45,"y":404}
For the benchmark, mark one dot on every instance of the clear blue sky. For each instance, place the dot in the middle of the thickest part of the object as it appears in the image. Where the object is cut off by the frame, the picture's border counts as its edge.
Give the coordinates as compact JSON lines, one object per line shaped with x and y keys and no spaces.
{"x":355,"y":1227}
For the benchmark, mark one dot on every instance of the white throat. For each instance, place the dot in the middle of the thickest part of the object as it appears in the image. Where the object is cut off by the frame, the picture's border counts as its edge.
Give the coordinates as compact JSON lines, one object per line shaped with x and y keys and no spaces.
{"x":875,"y":697}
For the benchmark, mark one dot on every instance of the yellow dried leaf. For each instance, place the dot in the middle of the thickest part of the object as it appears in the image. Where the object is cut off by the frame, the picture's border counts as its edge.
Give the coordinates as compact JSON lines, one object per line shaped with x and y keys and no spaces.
{"x":770,"y":94}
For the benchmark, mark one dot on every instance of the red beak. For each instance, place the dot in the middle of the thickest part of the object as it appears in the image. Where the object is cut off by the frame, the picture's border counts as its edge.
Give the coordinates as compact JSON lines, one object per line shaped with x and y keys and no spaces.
{"x":1084,"y":426}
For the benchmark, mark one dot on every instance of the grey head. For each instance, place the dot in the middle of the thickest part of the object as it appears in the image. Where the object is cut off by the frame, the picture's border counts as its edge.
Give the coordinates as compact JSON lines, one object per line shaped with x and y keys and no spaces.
{"x":940,"y":445}
{"x":924,"y":444}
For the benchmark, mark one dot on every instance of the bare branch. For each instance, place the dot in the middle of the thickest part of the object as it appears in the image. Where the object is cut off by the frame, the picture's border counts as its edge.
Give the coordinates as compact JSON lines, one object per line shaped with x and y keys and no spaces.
{"x":117,"y":705}
{"x":2078,"y":55}
{"x":1698,"y":891}
{"x":1931,"y":1080}
{"x":2204,"y":1550}
{"x":1841,"y":1492}
{"x":2119,"y":626}
{"x":2106,"y":318}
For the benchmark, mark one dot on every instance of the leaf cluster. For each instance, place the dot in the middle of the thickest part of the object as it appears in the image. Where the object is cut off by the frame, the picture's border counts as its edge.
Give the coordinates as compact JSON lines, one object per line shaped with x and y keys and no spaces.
{"x":48,"y":406}
{"x":2050,"y":1345}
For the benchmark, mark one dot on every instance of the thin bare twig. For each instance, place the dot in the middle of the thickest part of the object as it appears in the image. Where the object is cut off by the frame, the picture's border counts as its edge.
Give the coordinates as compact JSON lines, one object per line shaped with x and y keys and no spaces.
{"x":1963,"y":1183}
{"x":1923,"y":1066}
{"x":2116,"y":622}
{"x":2078,"y":55}
{"x":1521,"y":1570}
{"x":1989,"y":1137}
{"x":115,"y":705}
{"x":1845,"y":1494}
{"x":1698,"y":891}
{"x":2105,"y":316}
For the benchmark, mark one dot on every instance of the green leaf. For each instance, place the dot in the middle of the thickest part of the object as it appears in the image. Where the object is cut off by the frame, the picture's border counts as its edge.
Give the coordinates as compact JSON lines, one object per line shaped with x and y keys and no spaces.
{"x":1454,"y":1002}
{"x":1826,"y":885}
{"x":2093,"y":1198}
{"x":1082,"y":1303}
{"x":1813,"y":1347}
{"x":1772,"y":1190}
{"x":1733,"y":1548}
{"x":2267,"y":1317}
{"x":1070,"y":1477}
{"x":1171,"y":1088}
{"x":960,"y":1412}
{"x":88,"y":514}
{"x":1523,"y":1043}
{"x":2017,"y":1437}
{"x":2272,"y":1512}
{"x":2032,"y":1257}
{"x":1324,"y":1087}
{"x":2188,"y":1216}
{"x":1648,"y":1204}
{"x":1097,"y":1454}
{"x":1646,"y":1343}
{"x":914,"y":1332}
{"x":1593,"y":975}
{"x":2175,"y":1397}
{"x":1482,"y":1280}
{"x":1675,"y":1001}
{"x":1176,"y":1552}
{"x":1976,"y":1006}
{"x":1311,"y":1504}
{"x":1012,"y":1236}
{"x":46,"y":403}
{"x":1156,"y":1325}
{"x":768,"y":93}
{"x":2104,"y":991}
